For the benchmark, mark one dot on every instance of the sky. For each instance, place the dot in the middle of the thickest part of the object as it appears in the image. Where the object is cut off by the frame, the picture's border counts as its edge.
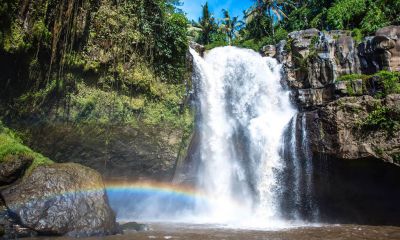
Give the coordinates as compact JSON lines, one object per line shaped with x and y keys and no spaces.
{"x":235,"y":7}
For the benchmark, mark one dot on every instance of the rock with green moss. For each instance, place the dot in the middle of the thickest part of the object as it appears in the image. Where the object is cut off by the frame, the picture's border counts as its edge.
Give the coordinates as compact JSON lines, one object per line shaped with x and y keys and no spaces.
{"x":15,"y":157}
{"x":13,"y":167}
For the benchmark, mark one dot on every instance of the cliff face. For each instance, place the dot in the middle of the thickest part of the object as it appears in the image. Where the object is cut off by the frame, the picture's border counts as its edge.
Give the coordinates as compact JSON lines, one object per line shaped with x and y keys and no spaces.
{"x":355,"y":114}
{"x":348,"y":96}
{"x":100,"y":83}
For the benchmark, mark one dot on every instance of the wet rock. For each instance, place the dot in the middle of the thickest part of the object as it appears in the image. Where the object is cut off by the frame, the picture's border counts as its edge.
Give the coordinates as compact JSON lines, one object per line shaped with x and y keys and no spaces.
{"x":61,"y":199}
{"x":9,"y":229}
{"x":268,"y":51}
{"x":13,"y":167}
{"x":198,"y":48}
{"x":134,"y":226}
{"x":308,"y":98}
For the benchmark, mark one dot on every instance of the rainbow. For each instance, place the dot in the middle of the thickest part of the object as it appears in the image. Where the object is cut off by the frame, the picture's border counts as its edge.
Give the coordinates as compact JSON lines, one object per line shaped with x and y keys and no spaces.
{"x":139,"y":188}
{"x":154,"y":187}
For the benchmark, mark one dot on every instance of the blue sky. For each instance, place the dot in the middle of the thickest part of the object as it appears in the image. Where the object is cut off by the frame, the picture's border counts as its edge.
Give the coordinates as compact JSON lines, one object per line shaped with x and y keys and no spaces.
{"x":235,"y":7}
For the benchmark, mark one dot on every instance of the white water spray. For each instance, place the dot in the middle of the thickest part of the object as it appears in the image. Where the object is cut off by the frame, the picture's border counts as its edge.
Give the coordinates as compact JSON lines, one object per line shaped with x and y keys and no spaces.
{"x":243,"y":114}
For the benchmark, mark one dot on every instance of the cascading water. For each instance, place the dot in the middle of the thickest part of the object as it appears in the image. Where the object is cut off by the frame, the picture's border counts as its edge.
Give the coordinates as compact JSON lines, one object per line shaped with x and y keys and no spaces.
{"x":243,"y":114}
{"x":252,"y":165}
{"x":297,"y":178}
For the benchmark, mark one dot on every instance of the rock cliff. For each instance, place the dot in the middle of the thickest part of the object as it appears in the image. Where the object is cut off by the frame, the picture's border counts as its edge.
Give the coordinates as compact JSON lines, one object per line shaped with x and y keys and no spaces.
{"x":330,"y":78}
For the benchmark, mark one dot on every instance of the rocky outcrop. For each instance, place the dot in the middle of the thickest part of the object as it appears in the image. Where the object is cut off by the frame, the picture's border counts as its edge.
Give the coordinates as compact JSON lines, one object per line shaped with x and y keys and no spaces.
{"x":339,"y":132}
{"x":61,"y":199}
{"x":382,"y":51}
{"x":198,"y":48}
{"x":13,"y":168}
{"x":312,"y":63}
{"x":313,"y":60}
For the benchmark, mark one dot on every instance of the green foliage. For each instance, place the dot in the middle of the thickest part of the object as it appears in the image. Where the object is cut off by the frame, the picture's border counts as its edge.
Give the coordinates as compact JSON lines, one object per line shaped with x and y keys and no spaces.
{"x":382,"y":118}
{"x":352,"y":77}
{"x":15,"y":41}
{"x":396,"y":158}
{"x":93,"y":105}
{"x":391,"y":82}
{"x":366,"y":15}
{"x":207,"y":24}
{"x":345,"y":13}
{"x":40,"y":31}
{"x":258,"y":25}
{"x":374,"y":19}
{"x":215,"y":44}
{"x":257,"y":44}
{"x":299,"y":19}
{"x":357,"y":35}
{"x":11,"y":144}
{"x":230,"y":25}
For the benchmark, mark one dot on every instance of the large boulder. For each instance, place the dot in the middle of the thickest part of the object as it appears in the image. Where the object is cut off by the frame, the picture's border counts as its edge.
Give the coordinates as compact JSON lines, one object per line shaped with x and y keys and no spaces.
{"x":62,"y":199}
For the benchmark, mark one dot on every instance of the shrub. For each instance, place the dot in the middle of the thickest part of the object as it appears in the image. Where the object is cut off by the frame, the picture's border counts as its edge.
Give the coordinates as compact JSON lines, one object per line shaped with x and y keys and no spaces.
{"x":352,"y":77}
{"x":390,"y":81}
{"x":382,"y":118}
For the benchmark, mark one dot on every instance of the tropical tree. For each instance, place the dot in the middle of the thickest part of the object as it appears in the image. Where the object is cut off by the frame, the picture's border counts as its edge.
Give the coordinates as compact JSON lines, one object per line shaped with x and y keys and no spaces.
{"x":207,"y":25}
{"x":275,"y":10}
{"x":257,"y":25}
{"x":230,"y":26}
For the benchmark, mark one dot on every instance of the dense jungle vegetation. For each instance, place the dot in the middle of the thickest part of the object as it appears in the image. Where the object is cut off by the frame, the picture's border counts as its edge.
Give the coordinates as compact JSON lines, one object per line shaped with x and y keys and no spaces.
{"x":269,"y":21}
{"x":91,"y":60}
{"x":125,"y":60}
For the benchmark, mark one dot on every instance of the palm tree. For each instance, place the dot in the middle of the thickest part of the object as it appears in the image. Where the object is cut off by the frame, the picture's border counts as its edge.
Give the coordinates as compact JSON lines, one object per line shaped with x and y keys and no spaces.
{"x":273,"y":8}
{"x":230,"y":25}
{"x":206,"y":24}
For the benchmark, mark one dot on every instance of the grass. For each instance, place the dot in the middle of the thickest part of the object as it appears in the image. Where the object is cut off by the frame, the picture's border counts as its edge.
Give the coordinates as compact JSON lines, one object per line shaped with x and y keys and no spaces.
{"x":11,"y":144}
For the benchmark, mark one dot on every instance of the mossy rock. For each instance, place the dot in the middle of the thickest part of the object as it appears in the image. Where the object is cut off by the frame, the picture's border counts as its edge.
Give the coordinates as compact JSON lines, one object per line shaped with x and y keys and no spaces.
{"x":15,"y":156}
{"x":13,"y":167}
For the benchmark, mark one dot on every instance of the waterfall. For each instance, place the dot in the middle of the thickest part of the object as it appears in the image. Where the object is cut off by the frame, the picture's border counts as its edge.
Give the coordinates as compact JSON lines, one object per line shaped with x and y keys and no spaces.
{"x":249,"y":163}
{"x":243,"y":113}
{"x":297,"y":186}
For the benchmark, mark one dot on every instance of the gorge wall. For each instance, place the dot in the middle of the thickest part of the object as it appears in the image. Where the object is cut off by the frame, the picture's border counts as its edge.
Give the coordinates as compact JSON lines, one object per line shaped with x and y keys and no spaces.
{"x":351,"y":114}
{"x":331,"y":82}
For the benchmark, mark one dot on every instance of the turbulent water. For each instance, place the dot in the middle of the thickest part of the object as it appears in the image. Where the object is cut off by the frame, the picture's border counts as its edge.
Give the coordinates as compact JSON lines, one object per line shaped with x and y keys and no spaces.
{"x":243,"y":114}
